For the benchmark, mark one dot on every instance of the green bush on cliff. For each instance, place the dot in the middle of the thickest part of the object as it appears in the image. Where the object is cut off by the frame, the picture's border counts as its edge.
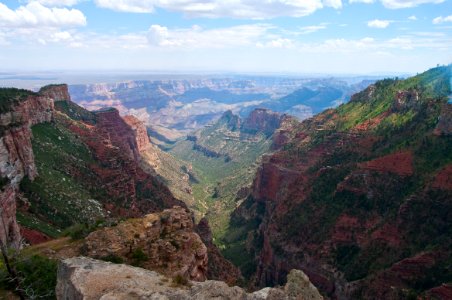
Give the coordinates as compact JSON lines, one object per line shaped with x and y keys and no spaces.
{"x":12,"y":96}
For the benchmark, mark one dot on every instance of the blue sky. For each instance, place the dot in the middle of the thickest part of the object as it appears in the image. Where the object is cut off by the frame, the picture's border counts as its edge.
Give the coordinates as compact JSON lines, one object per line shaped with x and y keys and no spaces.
{"x":252,"y":36}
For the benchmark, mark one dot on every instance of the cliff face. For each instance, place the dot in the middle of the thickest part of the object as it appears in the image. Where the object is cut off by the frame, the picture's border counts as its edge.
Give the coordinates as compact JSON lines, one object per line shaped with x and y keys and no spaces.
{"x":356,"y":194}
{"x":58,"y":92}
{"x":115,"y":146}
{"x":140,"y":132}
{"x":262,"y":120}
{"x":16,"y":155}
{"x":218,"y":267}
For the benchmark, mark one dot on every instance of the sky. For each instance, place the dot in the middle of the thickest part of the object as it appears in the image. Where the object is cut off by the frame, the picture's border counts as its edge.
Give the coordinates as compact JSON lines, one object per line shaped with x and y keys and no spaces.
{"x":243,"y":36}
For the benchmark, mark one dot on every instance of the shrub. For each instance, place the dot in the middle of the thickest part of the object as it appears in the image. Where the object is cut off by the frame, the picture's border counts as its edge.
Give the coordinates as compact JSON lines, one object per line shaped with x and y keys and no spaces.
{"x":138,"y":257}
{"x":180,"y":280}
{"x":39,"y":276}
{"x":113,"y":258}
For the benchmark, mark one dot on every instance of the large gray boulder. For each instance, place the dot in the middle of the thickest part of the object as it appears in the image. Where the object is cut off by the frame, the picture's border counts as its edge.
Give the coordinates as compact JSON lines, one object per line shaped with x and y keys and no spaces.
{"x":84,"y":278}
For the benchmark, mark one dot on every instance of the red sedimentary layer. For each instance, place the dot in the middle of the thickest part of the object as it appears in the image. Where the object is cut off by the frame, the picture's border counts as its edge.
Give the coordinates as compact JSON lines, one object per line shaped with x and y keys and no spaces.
{"x":371,"y":123}
{"x":443,"y":179}
{"x":400,"y":163}
{"x":114,"y":144}
{"x":33,"y":237}
{"x":443,"y":292}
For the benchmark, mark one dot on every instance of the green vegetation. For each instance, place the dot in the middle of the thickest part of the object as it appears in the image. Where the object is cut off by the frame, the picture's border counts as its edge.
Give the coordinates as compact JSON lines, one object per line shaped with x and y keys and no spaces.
{"x":12,"y":96}
{"x":31,"y":221}
{"x":366,"y":105}
{"x":138,"y":257}
{"x":220,"y":178}
{"x":75,"y":112}
{"x":51,"y":86}
{"x":113,"y":259}
{"x":57,"y":196}
{"x":80,"y":231}
{"x":180,"y":280}
{"x":403,"y":114}
{"x":37,"y":275}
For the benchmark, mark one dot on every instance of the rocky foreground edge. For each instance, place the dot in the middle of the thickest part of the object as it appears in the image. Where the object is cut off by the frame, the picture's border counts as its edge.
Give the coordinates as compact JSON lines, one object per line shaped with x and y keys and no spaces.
{"x":89,"y":279}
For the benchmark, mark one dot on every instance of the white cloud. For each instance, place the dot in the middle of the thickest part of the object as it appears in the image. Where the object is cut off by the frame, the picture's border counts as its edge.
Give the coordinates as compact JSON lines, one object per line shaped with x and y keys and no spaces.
{"x":35,"y":15}
{"x":312,"y":29}
{"x":54,"y":3}
{"x":362,"y":1}
{"x":412,"y":18}
{"x":250,"y":9}
{"x":333,"y":3}
{"x":396,"y":4}
{"x":379,"y":23}
{"x":197,"y":37}
{"x":277,"y":43}
{"x":442,"y":19}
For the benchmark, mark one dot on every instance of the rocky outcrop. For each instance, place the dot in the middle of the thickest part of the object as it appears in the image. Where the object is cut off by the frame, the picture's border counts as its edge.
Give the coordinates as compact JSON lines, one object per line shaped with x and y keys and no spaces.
{"x":262,"y":120}
{"x":58,"y":92}
{"x":16,"y":155}
{"x":83,"y":278}
{"x":140,"y":132}
{"x":230,"y":120}
{"x":164,"y":242}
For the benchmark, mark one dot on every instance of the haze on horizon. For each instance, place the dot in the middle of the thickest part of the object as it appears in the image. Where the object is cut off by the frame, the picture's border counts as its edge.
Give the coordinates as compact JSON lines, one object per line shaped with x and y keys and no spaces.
{"x":244,"y":36}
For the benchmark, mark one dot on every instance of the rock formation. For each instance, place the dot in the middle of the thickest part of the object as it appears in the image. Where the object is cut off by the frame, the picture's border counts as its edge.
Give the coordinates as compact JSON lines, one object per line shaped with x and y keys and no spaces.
{"x":140,"y":132}
{"x":218,"y":267}
{"x":84,"y":278}
{"x":262,"y":120}
{"x":116,"y":146}
{"x":164,"y":242}
{"x":57,"y":92}
{"x":16,"y":154}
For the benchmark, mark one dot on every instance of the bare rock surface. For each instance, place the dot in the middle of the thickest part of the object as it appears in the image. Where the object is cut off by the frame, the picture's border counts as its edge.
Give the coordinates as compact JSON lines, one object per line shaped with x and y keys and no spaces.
{"x":89,"y":279}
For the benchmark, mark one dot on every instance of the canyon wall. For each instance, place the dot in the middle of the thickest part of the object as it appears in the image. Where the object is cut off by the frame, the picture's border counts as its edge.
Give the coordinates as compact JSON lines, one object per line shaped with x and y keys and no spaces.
{"x":16,"y":155}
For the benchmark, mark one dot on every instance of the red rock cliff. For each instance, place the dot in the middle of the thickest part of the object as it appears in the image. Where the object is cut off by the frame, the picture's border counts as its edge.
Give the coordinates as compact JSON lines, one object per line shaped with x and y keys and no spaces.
{"x":140,"y":132}
{"x":16,"y":156}
{"x":262,"y":120}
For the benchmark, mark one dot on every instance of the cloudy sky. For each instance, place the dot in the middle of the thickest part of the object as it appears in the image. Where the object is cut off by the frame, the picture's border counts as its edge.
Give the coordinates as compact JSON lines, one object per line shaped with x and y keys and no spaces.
{"x":276,"y":36}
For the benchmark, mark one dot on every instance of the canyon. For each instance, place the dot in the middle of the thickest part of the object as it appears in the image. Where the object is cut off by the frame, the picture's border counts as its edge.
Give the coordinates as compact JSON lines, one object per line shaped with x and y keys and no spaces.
{"x":358,"y":197}
{"x":173,"y":108}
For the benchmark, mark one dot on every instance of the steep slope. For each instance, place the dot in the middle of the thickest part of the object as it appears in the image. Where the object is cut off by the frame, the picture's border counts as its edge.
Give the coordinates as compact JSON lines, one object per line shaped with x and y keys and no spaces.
{"x":360,"y":196}
{"x":224,"y":157}
{"x":89,"y":166}
{"x":19,"y":110}
{"x":170,"y":170}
